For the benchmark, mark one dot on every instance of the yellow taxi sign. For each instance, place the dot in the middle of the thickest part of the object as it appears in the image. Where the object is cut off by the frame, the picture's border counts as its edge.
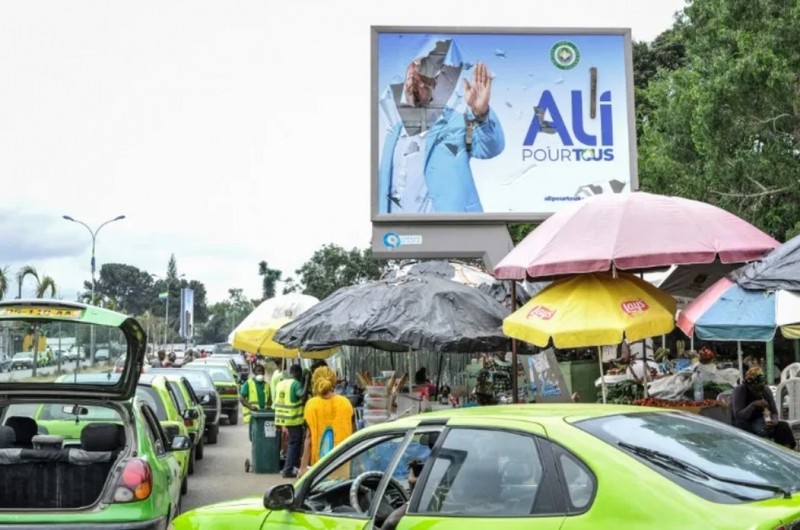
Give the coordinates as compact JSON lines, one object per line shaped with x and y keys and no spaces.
{"x":40,"y":312}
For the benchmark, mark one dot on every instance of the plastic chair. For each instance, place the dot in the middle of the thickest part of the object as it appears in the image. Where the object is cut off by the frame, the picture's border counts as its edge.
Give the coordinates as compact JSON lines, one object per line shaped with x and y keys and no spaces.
{"x":790,"y":413}
{"x":793,"y":370}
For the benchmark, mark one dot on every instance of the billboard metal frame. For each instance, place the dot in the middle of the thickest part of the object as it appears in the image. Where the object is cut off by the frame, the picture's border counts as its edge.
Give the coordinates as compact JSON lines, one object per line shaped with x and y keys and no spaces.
{"x":485,"y":217}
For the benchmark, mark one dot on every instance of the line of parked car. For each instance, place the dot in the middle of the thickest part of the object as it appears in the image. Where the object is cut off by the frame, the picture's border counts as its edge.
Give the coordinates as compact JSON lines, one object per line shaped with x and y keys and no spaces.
{"x":112,"y":448}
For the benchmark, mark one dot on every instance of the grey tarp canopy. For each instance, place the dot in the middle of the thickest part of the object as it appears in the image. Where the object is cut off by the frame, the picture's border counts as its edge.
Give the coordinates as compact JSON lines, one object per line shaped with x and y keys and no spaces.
{"x":780,"y":269}
{"x":407,"y":313}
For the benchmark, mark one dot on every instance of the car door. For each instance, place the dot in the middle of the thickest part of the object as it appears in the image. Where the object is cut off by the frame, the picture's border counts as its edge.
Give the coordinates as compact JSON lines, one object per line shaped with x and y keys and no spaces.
{"x":169,"y":474}
{"x":323,"y":500}
{"x":488,"y":477}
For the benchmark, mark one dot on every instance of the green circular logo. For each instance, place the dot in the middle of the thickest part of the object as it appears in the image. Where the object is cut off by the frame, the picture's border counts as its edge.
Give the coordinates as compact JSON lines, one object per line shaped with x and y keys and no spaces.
{"x":565,"y":55}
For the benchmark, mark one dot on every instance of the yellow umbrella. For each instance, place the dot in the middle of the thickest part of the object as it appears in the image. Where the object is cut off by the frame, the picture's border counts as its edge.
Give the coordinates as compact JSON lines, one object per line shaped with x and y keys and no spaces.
{"x":593,"y":310}
{"x":258,"y":340}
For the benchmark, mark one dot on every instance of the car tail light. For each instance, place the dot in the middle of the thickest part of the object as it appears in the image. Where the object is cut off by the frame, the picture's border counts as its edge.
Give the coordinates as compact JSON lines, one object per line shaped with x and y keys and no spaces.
{"x":188,"y":423}
{"x":136,"y":482}
{"x":794,"y":525}
{"x":228,"y":390}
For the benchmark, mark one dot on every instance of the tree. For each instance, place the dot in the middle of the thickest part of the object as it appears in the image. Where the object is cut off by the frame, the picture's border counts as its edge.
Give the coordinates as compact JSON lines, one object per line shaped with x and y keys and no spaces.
{"x":269,"y":278}
{"x":44,"y":284}
{"x":724,"y":126}
{"x":225,"y":316}
{"x":333,"y":267}
{"x":132,"y":290}
{"x":3,"y":282}
{"x":519,"y":231}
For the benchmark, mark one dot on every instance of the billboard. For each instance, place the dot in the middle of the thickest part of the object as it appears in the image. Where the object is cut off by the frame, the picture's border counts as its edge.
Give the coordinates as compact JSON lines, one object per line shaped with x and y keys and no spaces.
{"x":498,"y":124}
{"x":187,"y":313}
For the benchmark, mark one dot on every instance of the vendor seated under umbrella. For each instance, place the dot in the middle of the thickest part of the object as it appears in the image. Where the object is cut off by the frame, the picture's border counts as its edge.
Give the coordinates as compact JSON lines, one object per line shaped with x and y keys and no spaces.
{"x":753,"y":409}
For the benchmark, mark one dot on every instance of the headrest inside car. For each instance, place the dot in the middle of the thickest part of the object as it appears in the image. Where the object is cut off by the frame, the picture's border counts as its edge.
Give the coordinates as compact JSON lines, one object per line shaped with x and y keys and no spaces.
{"x":7,"y":437}
{"x":24,"y":428}
{"x":102,"y":437}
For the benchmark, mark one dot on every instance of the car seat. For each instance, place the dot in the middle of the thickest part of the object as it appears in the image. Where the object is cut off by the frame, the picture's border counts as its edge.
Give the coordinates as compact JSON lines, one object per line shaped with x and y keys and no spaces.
{"x":24,"y":429}
{"x":7,"y":437}
{"x":102,"y":437}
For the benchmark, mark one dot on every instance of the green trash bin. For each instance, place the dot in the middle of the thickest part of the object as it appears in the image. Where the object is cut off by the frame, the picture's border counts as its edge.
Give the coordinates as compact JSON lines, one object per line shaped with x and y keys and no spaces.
{"x":265,"y":450}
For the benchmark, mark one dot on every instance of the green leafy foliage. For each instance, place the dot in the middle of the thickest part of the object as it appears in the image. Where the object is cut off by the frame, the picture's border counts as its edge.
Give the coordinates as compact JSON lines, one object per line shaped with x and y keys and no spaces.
{"x":723,"y":126}
{"x":333,"y":267}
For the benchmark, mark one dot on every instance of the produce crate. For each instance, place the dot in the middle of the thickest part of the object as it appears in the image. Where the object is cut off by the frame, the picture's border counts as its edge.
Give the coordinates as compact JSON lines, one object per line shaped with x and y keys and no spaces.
{"x":716,"y":410}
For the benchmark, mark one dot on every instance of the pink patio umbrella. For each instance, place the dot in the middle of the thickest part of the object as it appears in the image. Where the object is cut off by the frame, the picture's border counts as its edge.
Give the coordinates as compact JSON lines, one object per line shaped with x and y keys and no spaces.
{"x":634,"y":231}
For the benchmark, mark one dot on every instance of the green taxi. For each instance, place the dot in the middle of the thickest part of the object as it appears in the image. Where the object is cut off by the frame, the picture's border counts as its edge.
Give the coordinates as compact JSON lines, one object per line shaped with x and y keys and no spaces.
{"x":81,"y":450}
{"x":226,"y":381}
{"x":567,"y":467}
{"x":157,"y":392}
{"x":194,"y":417}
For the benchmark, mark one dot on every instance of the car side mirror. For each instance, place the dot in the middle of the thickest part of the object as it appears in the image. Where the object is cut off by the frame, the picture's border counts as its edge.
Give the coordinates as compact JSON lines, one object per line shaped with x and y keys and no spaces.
{"x":190,"y":414}
{"x":180,"y":443}
{"x":279,"y":497}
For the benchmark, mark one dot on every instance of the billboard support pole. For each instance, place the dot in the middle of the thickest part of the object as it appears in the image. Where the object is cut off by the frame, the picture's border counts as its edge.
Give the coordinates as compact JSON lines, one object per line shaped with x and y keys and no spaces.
{"x":514,"y":373}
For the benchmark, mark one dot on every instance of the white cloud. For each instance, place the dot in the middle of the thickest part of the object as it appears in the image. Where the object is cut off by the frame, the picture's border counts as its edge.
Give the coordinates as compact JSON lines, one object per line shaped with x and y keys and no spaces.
{"x":226,"y":132}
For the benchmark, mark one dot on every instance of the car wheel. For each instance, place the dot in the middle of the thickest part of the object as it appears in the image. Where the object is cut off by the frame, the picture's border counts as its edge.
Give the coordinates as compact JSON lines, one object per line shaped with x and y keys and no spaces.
{"x":198,"y":451}
{"x":233,"y":417}
{"x":213,"y":432}
{"x":185,"y":486}
{"x":191,"y":462}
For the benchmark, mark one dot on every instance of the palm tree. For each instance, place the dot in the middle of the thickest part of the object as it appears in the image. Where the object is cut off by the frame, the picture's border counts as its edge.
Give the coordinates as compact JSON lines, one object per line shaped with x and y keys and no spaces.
{"x":43,"y":285}
{"x":3,"y":282}
{"x":25,"y":271}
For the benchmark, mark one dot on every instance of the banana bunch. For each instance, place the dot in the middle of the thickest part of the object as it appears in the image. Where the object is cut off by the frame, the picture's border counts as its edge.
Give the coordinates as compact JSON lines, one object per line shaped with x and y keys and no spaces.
{"x":661,"y":355}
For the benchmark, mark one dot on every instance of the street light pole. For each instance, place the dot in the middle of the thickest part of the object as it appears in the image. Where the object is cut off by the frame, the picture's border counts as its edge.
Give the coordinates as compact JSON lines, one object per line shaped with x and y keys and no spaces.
{"x":93,"y":233}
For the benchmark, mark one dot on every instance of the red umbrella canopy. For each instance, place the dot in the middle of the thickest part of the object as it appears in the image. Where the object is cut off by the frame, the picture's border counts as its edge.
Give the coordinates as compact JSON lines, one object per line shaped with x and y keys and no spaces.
{"x":633,"y":231}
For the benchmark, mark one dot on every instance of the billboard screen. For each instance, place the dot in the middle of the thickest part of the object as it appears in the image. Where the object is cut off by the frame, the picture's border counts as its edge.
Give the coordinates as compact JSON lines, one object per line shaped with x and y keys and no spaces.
{"x":498,"y":124}
{"x":187,"y":313}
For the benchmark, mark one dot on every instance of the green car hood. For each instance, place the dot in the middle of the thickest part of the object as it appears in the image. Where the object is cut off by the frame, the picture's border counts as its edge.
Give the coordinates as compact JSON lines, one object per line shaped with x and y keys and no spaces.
{"x":234,"y":515}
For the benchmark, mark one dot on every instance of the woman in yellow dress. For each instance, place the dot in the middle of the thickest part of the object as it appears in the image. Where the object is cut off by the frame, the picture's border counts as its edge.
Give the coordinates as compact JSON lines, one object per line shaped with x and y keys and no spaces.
{"x":329,"y":418}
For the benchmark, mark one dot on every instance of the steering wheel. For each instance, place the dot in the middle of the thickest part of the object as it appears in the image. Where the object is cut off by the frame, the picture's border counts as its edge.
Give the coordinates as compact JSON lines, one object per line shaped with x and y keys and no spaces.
{"x":358,"y":485}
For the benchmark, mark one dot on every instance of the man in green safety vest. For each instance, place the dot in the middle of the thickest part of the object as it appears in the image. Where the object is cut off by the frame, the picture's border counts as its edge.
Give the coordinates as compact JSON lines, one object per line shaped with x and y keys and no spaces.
{"x":289,"y":415}
{"x":254,"y":394}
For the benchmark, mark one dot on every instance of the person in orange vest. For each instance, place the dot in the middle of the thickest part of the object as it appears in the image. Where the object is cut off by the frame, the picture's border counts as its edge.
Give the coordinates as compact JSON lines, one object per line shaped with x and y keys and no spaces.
{"x":289,"y":415}
{"x":254,"y":395}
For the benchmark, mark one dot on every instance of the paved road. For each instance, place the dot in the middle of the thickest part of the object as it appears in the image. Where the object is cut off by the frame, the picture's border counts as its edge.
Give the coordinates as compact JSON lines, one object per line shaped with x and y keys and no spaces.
{"x":47,"y":370}
{"x":220,"y":476}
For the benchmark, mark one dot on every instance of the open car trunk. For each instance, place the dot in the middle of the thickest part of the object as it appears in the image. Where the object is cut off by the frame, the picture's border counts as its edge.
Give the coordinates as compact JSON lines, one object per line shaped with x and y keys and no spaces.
{"x":48,"y":477}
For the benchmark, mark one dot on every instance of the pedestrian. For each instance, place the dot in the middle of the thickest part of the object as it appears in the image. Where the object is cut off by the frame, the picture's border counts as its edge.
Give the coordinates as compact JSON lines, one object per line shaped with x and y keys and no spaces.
{"x":754,"y":410}
{"x":289,"y":415}
{"x":308,"y":377}
{"x":329,"y":418}
{"x":160,"y":356}
{"x":254,"y":395}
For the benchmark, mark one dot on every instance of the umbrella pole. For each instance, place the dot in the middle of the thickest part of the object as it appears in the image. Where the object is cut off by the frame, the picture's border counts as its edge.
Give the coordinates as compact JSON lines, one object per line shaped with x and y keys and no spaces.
{"x":770,"y":362}
{"x":411,"y":375}
{"x":514,"y":373}
{"x":602,"y":375}
{"x":645,"y":366}
{"x":739,"y":357}
{"x":439,"y":374}
{"x":796,"y":344}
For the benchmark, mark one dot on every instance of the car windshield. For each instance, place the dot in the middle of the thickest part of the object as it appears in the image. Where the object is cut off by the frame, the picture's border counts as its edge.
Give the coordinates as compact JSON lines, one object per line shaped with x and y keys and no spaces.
{"x":218,"y":372}
{"x":199,"y":380}
{"x":715,"y":461}
{"x":151,"y":397}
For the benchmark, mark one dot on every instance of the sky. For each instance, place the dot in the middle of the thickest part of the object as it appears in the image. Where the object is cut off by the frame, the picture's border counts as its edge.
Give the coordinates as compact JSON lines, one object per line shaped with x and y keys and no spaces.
{"x":226,"y":132}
